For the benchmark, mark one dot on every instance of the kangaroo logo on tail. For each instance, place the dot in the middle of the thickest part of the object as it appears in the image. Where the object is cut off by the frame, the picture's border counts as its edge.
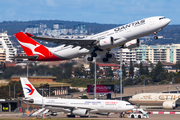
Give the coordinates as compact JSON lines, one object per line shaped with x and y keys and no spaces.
{"x":32,"y":47}
{"x":31,"y":90}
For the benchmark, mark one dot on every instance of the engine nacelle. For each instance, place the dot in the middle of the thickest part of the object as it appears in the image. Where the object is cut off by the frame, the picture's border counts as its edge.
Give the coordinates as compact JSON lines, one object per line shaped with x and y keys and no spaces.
{"x":132,"y":44}
{"x":29,"y":100}
{"x":169,"y":105}
{"x":81,"y":112}
{"x":106,"y":42}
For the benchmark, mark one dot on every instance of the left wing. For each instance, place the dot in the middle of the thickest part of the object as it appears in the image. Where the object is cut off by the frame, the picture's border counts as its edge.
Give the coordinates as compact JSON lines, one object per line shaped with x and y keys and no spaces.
{"x":74,"y":42}
{"x":65,"y":107}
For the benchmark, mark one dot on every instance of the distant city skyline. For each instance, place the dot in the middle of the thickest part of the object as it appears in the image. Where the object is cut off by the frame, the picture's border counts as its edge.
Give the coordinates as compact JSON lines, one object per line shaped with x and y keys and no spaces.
{"x":98,"y":11}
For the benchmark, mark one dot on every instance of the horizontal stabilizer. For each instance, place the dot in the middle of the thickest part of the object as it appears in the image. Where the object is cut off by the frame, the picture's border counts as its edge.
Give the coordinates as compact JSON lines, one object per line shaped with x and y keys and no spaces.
{"x":28,"y":34}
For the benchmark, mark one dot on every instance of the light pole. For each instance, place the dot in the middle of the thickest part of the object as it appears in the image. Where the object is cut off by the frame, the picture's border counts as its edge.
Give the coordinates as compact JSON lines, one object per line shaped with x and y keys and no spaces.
{"x":9,"y":90}
{"x":95,"y":78}
{"x":15,"y":89}
{"x":49,"y":90}
{"x":144,"y":85}
{"x":27,"y":69}
{"x":120,"y":73}
{"x":42,"y":95}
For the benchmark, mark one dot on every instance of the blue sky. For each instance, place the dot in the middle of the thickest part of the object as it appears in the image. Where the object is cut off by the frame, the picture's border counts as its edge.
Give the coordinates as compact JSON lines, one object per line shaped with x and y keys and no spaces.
{"x":99,"y":11}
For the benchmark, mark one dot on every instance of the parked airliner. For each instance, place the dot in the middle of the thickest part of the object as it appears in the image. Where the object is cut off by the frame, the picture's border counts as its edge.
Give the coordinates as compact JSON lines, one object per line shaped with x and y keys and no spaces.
{"x":165,"y":100}
{"x":81,"y":107}
{"x":126,"y":36}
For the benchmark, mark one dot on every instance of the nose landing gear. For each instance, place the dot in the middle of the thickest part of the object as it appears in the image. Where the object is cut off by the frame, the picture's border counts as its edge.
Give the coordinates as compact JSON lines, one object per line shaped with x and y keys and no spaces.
{"x":155,"y":37}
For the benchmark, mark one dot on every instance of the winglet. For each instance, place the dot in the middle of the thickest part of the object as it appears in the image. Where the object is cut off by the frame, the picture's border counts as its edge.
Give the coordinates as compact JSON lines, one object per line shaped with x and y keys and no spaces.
{"x":28,"y":34}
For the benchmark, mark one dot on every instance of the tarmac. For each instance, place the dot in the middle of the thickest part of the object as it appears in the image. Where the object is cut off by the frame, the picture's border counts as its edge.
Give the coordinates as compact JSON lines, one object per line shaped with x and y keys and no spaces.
{"x":93,"y":116}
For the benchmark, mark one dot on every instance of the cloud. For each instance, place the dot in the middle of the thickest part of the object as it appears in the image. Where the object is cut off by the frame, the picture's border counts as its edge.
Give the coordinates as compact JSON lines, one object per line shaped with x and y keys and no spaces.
{"x":50,"y":3}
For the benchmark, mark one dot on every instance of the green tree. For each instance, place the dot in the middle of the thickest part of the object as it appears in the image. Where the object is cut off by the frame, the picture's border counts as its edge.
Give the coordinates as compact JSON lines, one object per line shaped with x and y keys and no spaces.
{"x":67,"y":71}
{"x":45,"y":92}
{"x":141,"y":69}
{"x":156,"y":72}
{"x":131,"y":70}
{"x":128,"y":82}
{"x":109,"y":73}
{"x":91,"y":65}
{"x":124,"y":71}
{"x":177,"y":65}
{"x":77,"y":71}
{"x":146,"y":71}
{"x":73,"y":90}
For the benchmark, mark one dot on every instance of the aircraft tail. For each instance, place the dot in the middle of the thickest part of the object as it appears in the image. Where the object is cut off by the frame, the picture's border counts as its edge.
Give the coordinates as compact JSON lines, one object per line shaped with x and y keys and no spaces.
{"x":28,"y":88}
{"x":33,"y":48}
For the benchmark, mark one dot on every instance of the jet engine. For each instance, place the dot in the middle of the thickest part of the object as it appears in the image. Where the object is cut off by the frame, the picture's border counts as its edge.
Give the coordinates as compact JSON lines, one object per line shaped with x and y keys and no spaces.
{"x":29,"y":100}
{"x":169,"y":105}
{"x":106,"y":42}
{"x":81,"y":112}
{"x":132,"y":44}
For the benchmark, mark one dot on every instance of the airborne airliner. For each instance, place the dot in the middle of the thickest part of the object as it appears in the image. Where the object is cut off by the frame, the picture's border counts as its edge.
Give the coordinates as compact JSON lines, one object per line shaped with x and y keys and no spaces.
{"x":126,"y":36}
{"x":81,"y":107}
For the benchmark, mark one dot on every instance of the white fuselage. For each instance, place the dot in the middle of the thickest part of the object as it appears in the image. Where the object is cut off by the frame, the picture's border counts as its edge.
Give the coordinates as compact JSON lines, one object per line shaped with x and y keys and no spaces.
{"x":153,"y":99}
{"x":121,"y":35}
{"x":92,"y":105}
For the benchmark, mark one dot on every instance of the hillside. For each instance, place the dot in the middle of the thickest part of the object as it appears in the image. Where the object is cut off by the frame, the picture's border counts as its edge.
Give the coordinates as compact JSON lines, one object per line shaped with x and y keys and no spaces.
{"x":170,"y":33}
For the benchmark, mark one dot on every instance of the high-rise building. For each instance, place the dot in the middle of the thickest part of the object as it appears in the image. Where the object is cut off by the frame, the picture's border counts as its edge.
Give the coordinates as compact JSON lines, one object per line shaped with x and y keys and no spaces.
{"x":127,"y":55}
{"x":6,"y":48}
{"x":153,"y":53}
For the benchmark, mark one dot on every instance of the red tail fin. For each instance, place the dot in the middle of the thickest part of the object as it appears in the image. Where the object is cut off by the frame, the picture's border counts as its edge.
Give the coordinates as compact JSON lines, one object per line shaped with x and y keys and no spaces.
{"x":31,"y":48}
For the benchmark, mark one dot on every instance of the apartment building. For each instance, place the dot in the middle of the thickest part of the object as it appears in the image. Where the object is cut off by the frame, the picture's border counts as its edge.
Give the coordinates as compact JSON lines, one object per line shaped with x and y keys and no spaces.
{"x":153,"y":53}
{"x":127,"y":55}
{"x":6,"y":48}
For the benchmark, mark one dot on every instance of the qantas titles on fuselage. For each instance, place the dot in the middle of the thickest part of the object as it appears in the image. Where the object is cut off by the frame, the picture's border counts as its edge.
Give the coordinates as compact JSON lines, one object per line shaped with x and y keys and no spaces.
{"x":134,"y":24}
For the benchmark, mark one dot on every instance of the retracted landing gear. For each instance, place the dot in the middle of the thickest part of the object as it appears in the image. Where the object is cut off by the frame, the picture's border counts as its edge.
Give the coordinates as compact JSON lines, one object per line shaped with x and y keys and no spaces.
{"x":155,"y":37}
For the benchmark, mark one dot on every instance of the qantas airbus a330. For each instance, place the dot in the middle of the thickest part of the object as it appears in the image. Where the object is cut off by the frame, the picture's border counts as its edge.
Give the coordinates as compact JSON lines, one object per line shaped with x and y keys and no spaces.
{"x":126,"y":36}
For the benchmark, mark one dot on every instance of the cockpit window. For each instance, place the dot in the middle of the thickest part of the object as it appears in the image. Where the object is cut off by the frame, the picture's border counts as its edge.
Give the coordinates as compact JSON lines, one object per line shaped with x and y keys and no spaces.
{"x":128,"y":104}
{"x":161,"y":18}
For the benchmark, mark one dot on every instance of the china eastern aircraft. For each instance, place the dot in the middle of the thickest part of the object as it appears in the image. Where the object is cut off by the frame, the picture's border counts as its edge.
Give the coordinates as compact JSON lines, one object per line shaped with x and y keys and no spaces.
{"x":126,"y":36}
{"x":81,"y":107}
{"x":165,"y":100}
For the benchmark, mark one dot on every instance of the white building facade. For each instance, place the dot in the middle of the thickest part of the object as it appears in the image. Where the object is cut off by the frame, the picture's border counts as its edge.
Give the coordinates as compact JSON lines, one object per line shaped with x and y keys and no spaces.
{"x":6,"y":46}
{"x":153,"y":53}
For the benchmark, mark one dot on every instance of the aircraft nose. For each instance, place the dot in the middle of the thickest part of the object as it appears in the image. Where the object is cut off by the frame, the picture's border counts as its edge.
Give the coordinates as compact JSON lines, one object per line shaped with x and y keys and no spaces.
{"x":168,"y":20}
{"x":132,"y":107}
